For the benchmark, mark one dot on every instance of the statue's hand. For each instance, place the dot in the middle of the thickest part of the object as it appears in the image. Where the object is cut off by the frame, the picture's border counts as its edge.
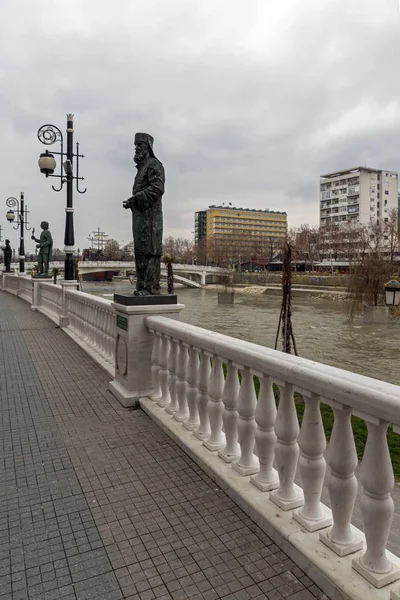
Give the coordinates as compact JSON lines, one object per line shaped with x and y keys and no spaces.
{"x":38,"y":246}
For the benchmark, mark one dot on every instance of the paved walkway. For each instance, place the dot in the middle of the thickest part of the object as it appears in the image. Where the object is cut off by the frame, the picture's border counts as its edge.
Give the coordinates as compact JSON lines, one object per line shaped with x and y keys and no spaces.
{"x":96,"y":502}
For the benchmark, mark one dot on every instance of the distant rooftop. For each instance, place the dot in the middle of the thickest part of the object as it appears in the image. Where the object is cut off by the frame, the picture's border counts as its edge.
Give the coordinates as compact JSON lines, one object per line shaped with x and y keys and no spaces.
{"x":354,"y":170}
{"x":256,"y":210}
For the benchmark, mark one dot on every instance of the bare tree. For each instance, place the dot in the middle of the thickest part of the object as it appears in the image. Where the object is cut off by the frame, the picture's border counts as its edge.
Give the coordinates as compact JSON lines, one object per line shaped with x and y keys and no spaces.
{"x":112,"y":250}
{"x":391,"y":233}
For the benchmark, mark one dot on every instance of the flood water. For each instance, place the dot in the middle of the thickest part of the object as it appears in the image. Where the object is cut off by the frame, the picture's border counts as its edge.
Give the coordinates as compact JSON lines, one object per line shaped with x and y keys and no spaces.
{"x":321,"y":328}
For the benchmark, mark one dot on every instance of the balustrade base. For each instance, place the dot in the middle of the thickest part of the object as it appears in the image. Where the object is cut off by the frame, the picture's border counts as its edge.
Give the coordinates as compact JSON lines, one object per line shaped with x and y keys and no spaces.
{"x":180,"y":418}
{"x":266,"y":486}
{"x":342,"y":549}
{"x":311,"y":525}
{"x":248,"y":470}
{"x":296,"y":502}
{"x":201,"y":436}
{"x":170,"y":410}
{"x":155,"y":398}
{"x":378,"y":580}
{"x":214,"y":446}
{"x":228,"y":458}
{"x":190,"y":426}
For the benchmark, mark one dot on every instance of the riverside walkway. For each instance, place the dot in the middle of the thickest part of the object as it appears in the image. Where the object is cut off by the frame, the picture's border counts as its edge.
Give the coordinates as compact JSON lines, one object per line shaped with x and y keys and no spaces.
{"x":96,"y":502}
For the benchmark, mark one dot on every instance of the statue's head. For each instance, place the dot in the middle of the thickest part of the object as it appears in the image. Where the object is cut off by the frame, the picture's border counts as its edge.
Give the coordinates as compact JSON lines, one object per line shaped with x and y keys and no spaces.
{"x":7,"y":242}
{"x":44,"y":225}
{"x":143,"y":147}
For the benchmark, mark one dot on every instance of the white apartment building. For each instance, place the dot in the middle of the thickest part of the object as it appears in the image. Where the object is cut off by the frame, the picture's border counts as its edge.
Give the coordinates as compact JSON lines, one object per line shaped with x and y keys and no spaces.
{"x":360,"y":194}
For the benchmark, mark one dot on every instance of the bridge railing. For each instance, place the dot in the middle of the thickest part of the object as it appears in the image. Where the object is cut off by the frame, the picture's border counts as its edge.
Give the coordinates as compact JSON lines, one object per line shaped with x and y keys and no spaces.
{"x":242,"y":401}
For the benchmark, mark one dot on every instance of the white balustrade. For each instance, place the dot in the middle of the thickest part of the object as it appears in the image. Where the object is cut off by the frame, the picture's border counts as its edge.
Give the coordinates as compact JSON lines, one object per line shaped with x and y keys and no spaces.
{"x":191,"y":390}
{"x":181,"y":384}
{"x":25,"y":288}
{"x":342,"y":460}
{"x":230,"y":416}
{"x":10,"y":283}
{"x":203,"y":430}
{"x":267,"y":478}
{"x":247,"y":420}
{"x":287,"y":496}
{"x":216,"y":440}
{"x":50,"y":299}
{"x":172,"y":364}
{"x":92,"y":320}
{"x":248,"y":463}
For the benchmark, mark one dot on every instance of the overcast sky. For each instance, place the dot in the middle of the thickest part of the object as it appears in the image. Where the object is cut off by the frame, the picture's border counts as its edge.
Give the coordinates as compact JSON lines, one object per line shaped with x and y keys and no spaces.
{"x":248,"y":102}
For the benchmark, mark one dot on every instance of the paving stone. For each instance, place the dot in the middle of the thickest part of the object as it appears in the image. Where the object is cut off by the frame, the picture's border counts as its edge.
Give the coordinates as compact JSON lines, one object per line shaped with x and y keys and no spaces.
{"x":98,"y":503}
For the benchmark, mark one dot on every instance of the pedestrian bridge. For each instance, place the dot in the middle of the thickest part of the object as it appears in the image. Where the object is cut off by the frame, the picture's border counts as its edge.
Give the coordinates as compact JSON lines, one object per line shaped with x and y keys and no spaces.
{"x":249,"y":416}
{"x":189,"y":275}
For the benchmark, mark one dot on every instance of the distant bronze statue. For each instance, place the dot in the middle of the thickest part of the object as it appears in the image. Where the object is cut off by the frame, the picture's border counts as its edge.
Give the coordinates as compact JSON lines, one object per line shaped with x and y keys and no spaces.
{"x":45,"y":245}
{"x":7,"y":256}
{"x":147,"y":218}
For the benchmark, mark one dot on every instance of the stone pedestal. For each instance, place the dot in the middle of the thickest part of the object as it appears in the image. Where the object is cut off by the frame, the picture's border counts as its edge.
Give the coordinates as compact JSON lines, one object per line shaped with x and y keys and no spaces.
{"x":66,"y":285}
{"x":134,"y":344}
{"x":35,"y":294}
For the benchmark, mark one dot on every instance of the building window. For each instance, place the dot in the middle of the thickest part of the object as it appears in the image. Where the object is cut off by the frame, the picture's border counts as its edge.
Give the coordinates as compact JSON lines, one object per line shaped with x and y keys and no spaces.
{"x":386,"y":192}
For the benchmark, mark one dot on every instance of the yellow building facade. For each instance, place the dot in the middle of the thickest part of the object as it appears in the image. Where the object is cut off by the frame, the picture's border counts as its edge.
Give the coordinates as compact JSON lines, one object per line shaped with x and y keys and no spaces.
{"x":237,"y":231}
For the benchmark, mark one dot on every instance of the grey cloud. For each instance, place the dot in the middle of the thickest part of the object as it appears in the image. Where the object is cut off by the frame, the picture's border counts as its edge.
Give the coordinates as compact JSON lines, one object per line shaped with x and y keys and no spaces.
{"x":231,"y":122}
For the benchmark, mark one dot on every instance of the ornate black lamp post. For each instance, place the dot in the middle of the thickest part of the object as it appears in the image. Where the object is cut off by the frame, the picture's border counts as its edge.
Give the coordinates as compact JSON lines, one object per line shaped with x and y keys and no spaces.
{"x":49,"y":134}
{"x":22,"y":222}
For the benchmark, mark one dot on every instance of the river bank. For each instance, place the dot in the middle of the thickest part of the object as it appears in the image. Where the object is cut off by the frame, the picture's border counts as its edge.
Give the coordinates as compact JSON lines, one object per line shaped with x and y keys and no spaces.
{"x":276,"y":290}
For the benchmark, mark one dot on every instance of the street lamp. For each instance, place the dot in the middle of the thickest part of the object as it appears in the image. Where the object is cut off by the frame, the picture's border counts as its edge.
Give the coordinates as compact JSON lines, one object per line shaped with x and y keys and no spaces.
{"x":48,"y":135}
{"x":392,"y":292}
{"x":21,"y":222}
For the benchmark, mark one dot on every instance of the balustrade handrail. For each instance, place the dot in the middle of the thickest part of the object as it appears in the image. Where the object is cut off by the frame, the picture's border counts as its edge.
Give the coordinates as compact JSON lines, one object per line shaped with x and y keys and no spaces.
{"x":363,"y":394}
{"x":93,"y":300}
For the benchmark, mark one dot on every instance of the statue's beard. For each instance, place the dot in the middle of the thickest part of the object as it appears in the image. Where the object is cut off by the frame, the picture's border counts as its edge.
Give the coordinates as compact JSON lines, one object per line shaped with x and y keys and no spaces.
{"x":139,"y":157}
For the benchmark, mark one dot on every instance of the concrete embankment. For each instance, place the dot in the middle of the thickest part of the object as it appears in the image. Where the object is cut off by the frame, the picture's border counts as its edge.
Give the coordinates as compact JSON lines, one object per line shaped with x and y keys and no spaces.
{"x":325,"y":293}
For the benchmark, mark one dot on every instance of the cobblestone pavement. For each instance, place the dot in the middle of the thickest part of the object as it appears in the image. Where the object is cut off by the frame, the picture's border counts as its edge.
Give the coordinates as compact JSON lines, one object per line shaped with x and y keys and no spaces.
{"x":96,"y":502}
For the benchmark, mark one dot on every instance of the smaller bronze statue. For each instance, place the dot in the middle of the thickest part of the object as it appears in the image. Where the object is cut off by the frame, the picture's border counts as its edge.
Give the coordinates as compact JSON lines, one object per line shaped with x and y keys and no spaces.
{"x":7,"y":256}
{"x":45,"y":245}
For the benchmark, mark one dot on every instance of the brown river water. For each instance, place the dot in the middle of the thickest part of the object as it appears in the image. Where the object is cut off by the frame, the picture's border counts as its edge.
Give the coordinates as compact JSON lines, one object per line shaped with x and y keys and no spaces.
{"x":321,"y":328}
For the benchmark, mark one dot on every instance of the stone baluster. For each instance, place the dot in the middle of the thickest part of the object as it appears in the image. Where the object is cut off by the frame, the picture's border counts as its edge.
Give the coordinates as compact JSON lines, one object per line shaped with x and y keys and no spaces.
{"x":231,"y":416}
{"x":203,"y":430}
{"x":181,"y":384}
{"x":377,"y":507}
{"x":163,"y":374}
{"x":287,"y":496}
{"x":342,"y":460}
{"x":312,"y":465}
{"x":100,"y":325}
{"x":248,"y":463}
{"x":191,"y":393}
{"x":267,"y":478}
{"x":155,"y":367}
{"x":110,"y":337}
{"x":217,"y":440}
{"x":172,"y":363}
